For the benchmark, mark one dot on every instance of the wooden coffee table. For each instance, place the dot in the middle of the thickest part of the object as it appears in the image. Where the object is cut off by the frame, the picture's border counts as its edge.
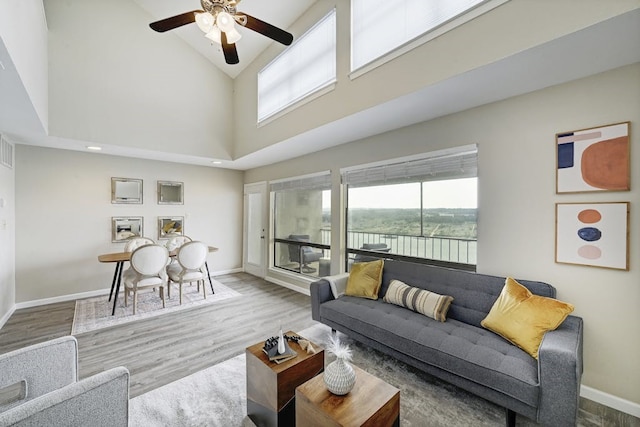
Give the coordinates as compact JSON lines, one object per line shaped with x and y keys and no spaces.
{"x":271,"y":386}
{"x":372,"y":402}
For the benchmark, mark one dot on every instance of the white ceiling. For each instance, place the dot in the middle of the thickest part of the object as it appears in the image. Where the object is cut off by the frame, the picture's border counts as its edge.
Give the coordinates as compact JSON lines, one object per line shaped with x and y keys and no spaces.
{"x":601,"y":47}
{"x":281,"y":13}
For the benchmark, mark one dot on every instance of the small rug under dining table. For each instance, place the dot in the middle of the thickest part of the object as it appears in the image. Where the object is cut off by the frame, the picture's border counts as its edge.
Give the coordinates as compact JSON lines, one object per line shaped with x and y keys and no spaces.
{"x":95,"y":313}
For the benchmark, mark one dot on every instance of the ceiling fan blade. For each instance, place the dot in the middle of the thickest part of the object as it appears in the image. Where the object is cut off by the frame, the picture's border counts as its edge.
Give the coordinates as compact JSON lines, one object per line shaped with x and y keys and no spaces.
{"x":175,"y":21}
{"x":267,"y":29}
{"x":229,"y":50}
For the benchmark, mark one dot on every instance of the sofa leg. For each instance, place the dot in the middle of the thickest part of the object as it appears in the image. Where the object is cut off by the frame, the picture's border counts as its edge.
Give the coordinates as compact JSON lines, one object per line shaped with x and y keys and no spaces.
{"x":511,"y":418}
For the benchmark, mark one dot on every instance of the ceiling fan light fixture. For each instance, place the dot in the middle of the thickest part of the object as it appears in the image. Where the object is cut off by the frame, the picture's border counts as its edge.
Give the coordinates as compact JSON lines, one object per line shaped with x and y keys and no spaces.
{"x":225,"y":22}
{"x":214,"y":35}
{"x":206,"y":21}
{"x":233,"y":36}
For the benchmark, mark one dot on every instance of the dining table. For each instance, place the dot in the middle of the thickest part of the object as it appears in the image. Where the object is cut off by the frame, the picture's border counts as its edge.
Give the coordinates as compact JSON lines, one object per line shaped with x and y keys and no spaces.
{"x":119,"y":258}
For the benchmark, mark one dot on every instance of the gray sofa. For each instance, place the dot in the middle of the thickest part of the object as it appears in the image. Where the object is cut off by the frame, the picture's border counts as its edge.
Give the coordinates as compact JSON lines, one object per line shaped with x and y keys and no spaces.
{"x":50,"y":394}
{"x":460,"y":350}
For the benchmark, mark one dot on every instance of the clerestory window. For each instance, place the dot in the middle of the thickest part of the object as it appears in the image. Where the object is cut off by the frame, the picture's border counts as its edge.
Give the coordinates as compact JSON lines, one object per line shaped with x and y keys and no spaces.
{"x":304,"y":68}
{"x":379,"y":27}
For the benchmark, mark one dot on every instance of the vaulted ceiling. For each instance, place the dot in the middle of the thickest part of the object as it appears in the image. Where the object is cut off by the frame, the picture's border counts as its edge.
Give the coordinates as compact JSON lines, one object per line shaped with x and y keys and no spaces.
{"x":600,"y":47}
{"x":281,"y":13}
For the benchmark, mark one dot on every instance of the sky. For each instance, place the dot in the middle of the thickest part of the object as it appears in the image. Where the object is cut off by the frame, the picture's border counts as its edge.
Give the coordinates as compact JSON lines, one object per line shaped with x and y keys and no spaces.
{"x":458,"y":193}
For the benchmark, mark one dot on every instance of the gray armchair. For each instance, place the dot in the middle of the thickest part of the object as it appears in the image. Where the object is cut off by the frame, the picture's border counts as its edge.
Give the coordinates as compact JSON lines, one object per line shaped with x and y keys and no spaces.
{"x":303,"y":255}
{"x":45,"y":391}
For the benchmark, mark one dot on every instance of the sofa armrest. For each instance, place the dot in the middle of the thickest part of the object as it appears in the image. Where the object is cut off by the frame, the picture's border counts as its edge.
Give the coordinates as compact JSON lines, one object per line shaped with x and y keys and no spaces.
{"x":100,"y":400}
{"x":338,"y":284}
{"x":560,"y":372}
{"x":42,"y":368}
{"x":326,"y":289}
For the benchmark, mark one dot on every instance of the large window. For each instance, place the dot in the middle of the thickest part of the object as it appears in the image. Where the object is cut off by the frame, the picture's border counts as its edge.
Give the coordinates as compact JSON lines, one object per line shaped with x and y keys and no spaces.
{"x":301,"y":224}
{"x":378,"y":27}
{"x":306,"y":67}
{"x":419,"y":208}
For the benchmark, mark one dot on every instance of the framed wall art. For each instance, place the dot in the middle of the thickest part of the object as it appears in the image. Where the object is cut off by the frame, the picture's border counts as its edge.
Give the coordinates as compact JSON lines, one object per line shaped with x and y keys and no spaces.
{"x":125,"y":228}
{"x":126,"y":190}
{"x":170,"y":193}
{"x":169,"y":226}
{"x":594,"y":159}
{"x":593,"y":234}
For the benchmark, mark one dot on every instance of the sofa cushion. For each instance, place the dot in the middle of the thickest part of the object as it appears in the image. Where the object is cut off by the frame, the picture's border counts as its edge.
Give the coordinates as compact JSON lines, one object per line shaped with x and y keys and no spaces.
{"x":365,"y":279}
{"x":524,"y":318}
{"x":430,"y":304}
{"x":461,"y":349}
{"x":473,"y":293}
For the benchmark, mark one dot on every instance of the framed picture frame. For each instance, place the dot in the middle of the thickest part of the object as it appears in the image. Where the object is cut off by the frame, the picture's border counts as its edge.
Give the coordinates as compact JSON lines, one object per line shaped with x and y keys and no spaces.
{"x":126,"y":191}
{"x":170,"y":193}
{"x":593,"y":159}
{"x":169,"y":226}
{"x":124,"y":228}
{"x":593,"y":234}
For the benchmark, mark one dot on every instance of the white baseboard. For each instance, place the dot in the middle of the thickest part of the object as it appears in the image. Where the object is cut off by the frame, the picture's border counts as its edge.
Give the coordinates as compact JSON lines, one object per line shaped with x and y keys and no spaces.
{"x":610,"y":400}
{"x":222,"y":272}
{"x":90,"y":294}
{"x":62,"y":298}
{"x":7,"y":316}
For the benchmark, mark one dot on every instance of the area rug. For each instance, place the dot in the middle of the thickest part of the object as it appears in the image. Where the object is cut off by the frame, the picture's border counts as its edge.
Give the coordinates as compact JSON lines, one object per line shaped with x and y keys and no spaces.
{"x":95,"y":313}
{"x":217,"y":396}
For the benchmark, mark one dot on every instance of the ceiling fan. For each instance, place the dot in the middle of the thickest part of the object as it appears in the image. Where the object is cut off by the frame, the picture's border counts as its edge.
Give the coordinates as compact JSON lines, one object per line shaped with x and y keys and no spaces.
{"x":218,"y":20}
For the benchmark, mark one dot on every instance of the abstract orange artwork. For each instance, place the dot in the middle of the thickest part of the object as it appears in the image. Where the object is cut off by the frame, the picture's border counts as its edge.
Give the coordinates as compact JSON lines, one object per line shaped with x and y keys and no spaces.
{"x":595,"y":159}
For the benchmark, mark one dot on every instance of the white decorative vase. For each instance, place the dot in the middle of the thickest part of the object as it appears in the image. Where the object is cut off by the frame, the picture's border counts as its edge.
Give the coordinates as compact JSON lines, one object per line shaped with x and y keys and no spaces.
{"x":339,"y":377}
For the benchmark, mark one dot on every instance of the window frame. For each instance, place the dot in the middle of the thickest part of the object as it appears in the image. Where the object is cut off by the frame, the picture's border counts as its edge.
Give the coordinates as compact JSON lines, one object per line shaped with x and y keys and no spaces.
{"x":320,"y":181}
{"x":320,"y":89}
{"x":428,"y":35}
{"x":390,"y":163}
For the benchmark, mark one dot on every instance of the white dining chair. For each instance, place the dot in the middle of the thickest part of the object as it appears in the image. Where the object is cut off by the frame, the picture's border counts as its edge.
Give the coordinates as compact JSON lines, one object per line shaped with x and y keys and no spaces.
{"x":147,"y":270}
{"x":176,"y":241}
{"x":190,"y":267}
{"x":135,"y":242}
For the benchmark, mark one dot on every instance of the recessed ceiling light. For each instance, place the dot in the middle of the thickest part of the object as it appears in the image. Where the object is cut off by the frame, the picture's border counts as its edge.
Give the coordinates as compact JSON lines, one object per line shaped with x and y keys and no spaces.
{"x":94,"y":148}
{"x":216,"y":162}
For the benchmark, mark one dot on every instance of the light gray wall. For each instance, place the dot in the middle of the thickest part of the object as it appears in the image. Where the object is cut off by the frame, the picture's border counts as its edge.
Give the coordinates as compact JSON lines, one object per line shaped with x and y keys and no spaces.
{"x":516,"y":202}
{"x":114,"y":81}
{"x":475,"y":44}
{"x":7,"y":242}
{"x":64,"y":210}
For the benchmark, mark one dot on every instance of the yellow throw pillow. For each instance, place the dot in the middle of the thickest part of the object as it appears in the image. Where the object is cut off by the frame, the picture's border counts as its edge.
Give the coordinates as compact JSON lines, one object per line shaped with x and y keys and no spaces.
{"x":365,"y":279}
{"x":523,"y":318}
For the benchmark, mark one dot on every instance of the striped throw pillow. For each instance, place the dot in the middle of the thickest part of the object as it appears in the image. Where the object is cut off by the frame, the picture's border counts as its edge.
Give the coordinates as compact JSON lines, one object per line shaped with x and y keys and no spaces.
{"x":419,"y":300}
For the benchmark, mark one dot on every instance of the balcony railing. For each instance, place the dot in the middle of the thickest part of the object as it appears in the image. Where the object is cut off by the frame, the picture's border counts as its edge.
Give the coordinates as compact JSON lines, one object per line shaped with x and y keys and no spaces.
{"x":461,"y":252}
{"x":447,"y":249}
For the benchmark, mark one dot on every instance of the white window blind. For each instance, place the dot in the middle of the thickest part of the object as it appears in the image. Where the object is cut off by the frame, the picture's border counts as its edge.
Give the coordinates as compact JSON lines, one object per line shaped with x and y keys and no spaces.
{"x":450,"y":164}
{"x":305,"y":67}
{"x":380,"y":26}
{"x":319,"y":181}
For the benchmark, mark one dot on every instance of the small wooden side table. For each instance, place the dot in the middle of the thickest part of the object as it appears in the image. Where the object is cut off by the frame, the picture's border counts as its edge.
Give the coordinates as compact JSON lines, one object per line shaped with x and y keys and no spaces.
{"x":371,"y":403}
{"x":271,"y":386}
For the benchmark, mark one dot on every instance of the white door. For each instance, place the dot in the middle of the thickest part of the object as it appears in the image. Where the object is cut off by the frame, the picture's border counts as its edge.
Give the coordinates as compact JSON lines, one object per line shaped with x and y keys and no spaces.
{"x":255,"y":229}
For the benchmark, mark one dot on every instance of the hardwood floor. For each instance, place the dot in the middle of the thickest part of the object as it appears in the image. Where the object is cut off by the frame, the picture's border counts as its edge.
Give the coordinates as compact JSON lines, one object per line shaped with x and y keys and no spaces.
{"x":163,"y":349}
